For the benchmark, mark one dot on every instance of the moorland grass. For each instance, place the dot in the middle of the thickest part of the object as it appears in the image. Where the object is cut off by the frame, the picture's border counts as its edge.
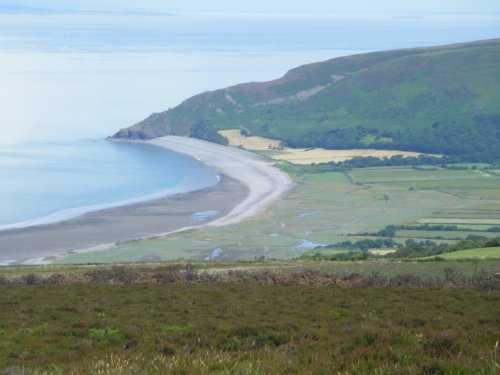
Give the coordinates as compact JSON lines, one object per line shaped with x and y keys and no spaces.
{"x":247,"y":329}
{"x":423,"y":268}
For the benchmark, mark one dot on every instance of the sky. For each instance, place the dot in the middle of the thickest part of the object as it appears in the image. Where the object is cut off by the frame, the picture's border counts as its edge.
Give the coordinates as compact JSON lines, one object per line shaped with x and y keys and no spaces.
{"x":275,"y":6}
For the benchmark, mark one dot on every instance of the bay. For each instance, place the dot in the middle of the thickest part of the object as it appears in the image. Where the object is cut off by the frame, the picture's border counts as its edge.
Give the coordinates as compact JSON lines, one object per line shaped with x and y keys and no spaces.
{"x":47,"y":182}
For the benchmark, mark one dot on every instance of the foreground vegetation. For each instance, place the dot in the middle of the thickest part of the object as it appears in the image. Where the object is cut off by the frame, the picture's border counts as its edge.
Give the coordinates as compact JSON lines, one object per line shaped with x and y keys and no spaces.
{"x":240,"y":328}
{"x":315,"y":271}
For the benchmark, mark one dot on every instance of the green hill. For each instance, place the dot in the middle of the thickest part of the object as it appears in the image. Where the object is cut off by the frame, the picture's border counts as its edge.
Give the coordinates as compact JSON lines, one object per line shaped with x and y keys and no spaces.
{"x":434,"y":100}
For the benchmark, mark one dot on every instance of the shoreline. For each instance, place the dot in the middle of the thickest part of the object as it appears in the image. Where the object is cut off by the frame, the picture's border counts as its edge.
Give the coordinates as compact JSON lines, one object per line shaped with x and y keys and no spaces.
{"x":104,"y":229}
{"x":265,"y":182}
{"x":248,"y":185}
{"x":74,"y":213}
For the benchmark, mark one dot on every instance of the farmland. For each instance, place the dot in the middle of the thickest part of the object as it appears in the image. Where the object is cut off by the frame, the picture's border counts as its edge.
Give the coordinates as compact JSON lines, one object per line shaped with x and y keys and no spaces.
{"x":319,"y":155}
{"x":235,"y":138}
{"x":484,"y":253}
{"x":276,"y":151}
{"x":474,"y":212}
{"x":452,"y":235}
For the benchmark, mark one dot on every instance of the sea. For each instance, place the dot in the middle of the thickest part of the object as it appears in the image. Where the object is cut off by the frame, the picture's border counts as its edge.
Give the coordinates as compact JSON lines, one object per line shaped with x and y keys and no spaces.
{"x":70,"y":78}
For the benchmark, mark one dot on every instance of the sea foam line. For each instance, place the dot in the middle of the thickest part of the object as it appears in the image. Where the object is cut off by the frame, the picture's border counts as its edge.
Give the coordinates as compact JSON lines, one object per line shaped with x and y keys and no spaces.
{"x":73,"y":213}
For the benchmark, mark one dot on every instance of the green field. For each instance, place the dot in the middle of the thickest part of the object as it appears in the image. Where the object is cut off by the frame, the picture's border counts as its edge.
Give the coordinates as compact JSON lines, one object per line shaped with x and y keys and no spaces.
{"x":379,"y":175}
{"x":459,"y":220}
{"x":483,"y":253}
{"x":475,"y":227}
{"x":452,"y":185}
{"x":328,"y":208}
{"x":456,"y":181}
{"x":401,"y":240}
{"x":431,"y":234}
{"x":469,"y":214}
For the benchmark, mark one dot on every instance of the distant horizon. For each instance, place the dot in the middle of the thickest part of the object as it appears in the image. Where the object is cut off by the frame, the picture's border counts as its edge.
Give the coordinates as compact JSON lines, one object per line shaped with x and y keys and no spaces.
{"x":19,"y":9}
{"x":324,"y":7}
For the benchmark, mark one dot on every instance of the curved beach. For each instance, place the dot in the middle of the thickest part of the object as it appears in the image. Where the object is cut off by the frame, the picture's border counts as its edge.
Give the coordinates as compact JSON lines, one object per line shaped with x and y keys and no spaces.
{"x":248,"y":186}
{"x":265,"y":182}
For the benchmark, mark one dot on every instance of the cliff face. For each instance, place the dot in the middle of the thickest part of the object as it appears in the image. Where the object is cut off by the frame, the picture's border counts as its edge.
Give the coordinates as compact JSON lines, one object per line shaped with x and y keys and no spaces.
{"x":440,"y":100}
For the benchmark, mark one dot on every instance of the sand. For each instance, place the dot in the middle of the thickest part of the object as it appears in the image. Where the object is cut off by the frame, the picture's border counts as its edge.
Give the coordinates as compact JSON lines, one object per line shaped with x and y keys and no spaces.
{"x":265,"y":182}
{"x":248,"y":186}
{"x":102,"y":229}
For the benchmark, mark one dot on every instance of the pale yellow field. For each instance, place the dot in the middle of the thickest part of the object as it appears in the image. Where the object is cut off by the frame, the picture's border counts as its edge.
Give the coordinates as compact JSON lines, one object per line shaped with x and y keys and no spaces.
{"x":458,"y":221}
{"x":236,"y":139}
{"x":302,"y":155}
{"x":320,"y":155}
{"x":381,"y":252}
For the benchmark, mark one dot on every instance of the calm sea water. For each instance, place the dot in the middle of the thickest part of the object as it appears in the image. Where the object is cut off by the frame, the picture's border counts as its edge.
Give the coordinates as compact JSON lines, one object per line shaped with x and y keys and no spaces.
{"x":68,"y":76}
{"x":50,"y":181}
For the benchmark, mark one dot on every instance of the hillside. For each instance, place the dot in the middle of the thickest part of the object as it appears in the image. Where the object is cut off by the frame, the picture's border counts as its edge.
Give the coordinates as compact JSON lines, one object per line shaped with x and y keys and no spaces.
{"x":433,"y":100}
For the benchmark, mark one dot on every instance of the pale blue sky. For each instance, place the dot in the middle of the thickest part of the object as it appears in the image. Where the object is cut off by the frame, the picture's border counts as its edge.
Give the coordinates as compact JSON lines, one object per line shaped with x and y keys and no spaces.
{"x":285,"y":6}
